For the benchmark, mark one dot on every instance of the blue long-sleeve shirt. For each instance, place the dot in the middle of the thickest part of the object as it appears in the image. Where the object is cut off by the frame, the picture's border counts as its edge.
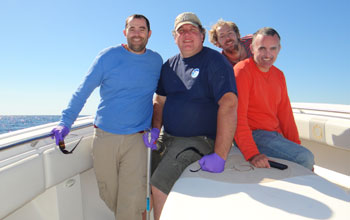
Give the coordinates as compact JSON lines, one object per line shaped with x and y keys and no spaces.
{"x":127,"y":83}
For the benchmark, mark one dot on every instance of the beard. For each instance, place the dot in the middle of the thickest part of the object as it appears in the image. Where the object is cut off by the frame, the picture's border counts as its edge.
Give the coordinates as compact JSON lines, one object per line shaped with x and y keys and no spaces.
{"x":233,"y":49}
{"x":139,"y":46}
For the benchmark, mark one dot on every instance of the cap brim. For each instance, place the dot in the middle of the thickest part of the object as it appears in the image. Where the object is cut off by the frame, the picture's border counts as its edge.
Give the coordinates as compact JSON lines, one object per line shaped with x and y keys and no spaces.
{"x":185,"y":22}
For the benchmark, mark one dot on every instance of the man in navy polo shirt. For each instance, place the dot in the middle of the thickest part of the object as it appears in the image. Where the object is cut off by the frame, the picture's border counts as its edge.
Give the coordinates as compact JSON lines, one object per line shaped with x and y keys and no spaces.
{"x":196,"y":102}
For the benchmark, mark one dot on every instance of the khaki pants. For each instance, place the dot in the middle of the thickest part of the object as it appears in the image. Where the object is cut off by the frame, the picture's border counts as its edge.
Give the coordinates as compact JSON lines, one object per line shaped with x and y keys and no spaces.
{"x":120,"y":164}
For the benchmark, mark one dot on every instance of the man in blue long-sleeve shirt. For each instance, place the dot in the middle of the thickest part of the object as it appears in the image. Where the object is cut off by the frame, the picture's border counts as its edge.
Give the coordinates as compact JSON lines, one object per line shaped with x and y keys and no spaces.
{"x":127,"y":76}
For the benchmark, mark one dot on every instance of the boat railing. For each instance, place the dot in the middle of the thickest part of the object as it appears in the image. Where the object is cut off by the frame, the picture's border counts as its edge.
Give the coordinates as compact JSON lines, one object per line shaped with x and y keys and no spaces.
{"x":338,"y":113}
{"x":43,"y":135}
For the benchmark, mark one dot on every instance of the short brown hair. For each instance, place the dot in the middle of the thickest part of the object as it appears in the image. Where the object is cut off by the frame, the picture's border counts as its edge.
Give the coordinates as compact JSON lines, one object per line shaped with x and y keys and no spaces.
{"x":138,"y":16}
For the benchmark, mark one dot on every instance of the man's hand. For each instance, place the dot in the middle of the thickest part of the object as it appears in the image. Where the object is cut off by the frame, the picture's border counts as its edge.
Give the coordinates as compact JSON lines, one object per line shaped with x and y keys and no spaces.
{"x":260,"y":161}
{"x":59,"y":133}
{"x":150,"y":138}
{"x":212,"y":163}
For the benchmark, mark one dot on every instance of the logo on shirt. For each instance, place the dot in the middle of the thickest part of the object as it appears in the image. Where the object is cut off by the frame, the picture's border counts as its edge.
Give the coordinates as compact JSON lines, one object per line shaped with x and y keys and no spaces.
{"x":195,"y":73}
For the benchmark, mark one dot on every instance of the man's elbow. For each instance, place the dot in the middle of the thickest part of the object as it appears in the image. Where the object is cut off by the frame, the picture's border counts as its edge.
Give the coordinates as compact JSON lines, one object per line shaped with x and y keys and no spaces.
{"x":229,"y":101}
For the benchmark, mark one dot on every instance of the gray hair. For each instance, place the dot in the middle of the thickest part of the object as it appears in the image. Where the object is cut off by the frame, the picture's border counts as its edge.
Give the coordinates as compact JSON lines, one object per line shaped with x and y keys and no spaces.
{"x":266,"y":31}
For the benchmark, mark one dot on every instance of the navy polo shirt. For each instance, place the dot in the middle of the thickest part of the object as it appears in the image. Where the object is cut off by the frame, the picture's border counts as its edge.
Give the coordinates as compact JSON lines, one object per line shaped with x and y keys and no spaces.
{"x":193,"y":86}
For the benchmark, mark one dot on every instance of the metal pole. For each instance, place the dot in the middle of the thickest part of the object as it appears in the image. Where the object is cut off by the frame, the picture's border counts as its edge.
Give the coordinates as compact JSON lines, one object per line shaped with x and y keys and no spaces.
{"x":148,"y":194}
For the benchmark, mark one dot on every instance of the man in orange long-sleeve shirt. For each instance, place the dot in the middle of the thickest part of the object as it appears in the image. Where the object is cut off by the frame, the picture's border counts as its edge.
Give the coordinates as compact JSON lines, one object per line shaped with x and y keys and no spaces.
{"x":266,"y":125}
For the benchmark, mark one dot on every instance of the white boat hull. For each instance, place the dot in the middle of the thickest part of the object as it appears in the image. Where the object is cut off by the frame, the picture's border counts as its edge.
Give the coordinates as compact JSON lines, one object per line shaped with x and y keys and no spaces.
{"x":244,"y":192}
{"x":38,"y":182}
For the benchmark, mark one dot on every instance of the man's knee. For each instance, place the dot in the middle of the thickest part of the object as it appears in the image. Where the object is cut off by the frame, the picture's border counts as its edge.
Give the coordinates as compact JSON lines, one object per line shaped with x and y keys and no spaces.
{"x":306,"y":159}
{"x":157,"y":192}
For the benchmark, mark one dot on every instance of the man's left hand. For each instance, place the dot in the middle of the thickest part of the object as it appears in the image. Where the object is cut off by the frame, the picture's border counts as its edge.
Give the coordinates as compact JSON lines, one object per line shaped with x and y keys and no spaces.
{"x":212,"y":163}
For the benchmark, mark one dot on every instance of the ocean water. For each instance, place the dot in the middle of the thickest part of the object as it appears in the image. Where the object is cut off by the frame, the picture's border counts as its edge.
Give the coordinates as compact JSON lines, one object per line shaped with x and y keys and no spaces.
{"x":16,"y":122}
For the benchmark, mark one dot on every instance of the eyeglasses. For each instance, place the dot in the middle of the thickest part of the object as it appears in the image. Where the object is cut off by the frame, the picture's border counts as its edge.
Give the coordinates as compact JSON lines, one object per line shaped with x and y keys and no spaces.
{"x":62,"y":146}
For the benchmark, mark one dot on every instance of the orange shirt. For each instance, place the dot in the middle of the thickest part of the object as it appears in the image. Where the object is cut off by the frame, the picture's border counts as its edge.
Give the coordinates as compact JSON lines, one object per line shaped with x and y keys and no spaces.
{"x":263,"y":103}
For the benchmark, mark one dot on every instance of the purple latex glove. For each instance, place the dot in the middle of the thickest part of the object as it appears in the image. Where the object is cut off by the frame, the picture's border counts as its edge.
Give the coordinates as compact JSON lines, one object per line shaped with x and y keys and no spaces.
{"x":59,"y":133}
{"x":150,"y":138}
{"x":212,"y":163}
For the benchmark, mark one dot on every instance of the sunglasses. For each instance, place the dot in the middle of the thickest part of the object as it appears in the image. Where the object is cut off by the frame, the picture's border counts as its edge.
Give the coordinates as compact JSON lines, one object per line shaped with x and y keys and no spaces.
{"x":62,"y":146}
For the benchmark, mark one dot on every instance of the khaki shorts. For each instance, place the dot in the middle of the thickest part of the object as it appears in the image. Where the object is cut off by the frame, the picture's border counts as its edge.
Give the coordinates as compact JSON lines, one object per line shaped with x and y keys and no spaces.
{"x":120,"y":164}
{"x":176,"y":154}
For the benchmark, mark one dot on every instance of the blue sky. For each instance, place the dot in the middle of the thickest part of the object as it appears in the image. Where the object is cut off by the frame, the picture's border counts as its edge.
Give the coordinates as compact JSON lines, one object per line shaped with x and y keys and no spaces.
{"x":47,"y":46}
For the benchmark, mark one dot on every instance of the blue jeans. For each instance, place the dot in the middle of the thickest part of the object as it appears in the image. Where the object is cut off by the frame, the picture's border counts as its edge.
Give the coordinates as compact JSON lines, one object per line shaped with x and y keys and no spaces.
{"x":273,"y":144}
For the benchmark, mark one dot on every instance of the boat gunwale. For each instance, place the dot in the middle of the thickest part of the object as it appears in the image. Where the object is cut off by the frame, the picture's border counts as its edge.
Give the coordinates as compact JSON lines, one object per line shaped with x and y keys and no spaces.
{"x":40,"y":137}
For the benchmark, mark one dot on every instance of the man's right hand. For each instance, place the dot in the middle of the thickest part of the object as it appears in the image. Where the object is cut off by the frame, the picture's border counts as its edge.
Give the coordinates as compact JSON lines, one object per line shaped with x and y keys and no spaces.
{"x":260,"y":161}
{"x":59,"y":133}
{"x":150,"y":138}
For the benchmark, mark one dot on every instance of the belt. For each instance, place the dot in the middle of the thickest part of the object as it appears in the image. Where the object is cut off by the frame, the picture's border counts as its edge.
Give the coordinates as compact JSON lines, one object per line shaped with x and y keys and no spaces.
{"x":95,"y":126}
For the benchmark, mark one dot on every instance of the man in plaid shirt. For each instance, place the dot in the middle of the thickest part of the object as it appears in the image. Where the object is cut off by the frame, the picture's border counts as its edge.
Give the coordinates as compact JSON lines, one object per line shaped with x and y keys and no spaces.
{"x":225,"y":35}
